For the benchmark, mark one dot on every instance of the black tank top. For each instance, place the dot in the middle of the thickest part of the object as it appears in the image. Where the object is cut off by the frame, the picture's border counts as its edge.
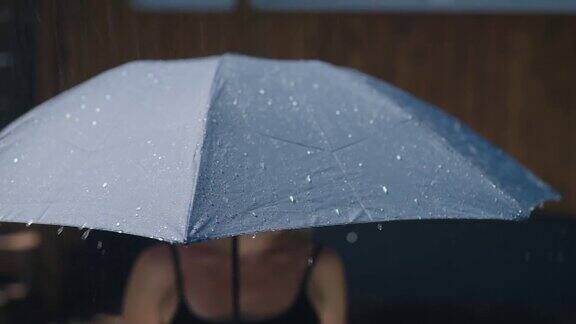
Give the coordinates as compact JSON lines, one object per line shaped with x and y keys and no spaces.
{"x":301,"y":311}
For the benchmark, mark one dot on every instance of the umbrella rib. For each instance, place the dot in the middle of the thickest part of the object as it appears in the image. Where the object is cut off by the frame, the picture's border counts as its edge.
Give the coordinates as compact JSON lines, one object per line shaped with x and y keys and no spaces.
{"x":290,"y":141}
{"x":322,"y":134}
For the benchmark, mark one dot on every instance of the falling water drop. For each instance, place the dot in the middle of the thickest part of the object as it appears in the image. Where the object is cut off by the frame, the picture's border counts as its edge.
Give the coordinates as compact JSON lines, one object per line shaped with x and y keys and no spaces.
{"x":398,"y":157}
{"x":117,"y":224}
{"x":385,"y":189}
{"x":352,"y":237}
{"x":68,"y":116}
{"x":94,"y":123}
{"x":105,"y":184}
{"x":379,"y":227}
{"x":235,"y":102}
{"x":308,"y":178}
{"x":30,"y":222}
{"x":337,"y":112}
{"x":97,"y":110}
{"x":108,"y":97}
{"x":99,"y":245}
{"x":292,"y":200}
{"x":261,"y":91}
{"x":15,"y":160}
{"x":337,"y":211}
{"x":85,"y":234}
{"x":60,"y":230}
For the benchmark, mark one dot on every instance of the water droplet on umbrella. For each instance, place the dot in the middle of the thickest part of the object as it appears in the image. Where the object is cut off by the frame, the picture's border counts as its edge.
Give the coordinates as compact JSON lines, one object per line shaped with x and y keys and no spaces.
{"x":85,"y":234}
{"x":60,"y":230}
{"x":292,"y":200}
{"x":385,"y":189}
{"x":352,"y":237}
{"x":105,"y":184}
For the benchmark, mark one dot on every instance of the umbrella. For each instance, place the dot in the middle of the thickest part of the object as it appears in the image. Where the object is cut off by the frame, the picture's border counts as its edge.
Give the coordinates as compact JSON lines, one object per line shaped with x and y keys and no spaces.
{"x":195,"y":149}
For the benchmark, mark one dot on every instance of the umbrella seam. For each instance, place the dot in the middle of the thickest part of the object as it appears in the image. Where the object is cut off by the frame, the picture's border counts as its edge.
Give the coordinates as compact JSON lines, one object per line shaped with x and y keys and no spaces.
{"x":199,"y":149}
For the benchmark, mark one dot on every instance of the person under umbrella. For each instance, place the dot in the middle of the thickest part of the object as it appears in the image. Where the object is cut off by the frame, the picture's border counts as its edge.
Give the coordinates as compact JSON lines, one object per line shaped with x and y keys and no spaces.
{"x":284,"y":278}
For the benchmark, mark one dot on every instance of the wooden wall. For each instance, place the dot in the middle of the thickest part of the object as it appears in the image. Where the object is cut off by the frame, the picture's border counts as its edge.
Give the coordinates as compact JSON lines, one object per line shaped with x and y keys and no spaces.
{"x":512,"y":78}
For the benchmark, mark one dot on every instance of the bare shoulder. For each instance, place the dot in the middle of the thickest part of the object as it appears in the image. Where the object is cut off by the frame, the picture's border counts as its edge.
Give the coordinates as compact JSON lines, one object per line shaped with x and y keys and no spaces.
{"x":155,"y":265}
{"x":329,"y":262}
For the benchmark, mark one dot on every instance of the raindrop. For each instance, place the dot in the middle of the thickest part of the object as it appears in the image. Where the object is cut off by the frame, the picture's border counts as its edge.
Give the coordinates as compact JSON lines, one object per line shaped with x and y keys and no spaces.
{"x":117,"y":224}
{"x":308,"y":152}
{"x":294,"y":103}
{"x":99,"y":245}
{"x":262,"y":165}
{"x":360,"y":164}
{"x":235,"y":102}
{"x":310,"y":261}
{"x":94,"y":123}
{"x":315,"y":85}
{"x":108,"y":97}
{"x":292,"y":200}
{"x":385,"y":189}
{"x":352,"y":237}
{"x":85,"y":234}
{"x":337,"y":112}
{"x":68,"y":116}
{"x":337,"y":211}
{"x":398,"y":157}
{"x":269,"y":102}
{"x":371,"y":121}
{"x":253,"y":236}
{"x":97,"y":110}
{"x":148,"y":142}
{"x":60,"y":230}
{"x":308,"y":178}
{"x":105,"y":184}
{"x":138,"y":208}
{"x":379,"y":227}
{"x":261,"y":91}
{"x":416,"y":200}
{"x":30,"y":222}
{"x":349,"y":135}
{"x":83,"y":106}
{"x":15,"y":160}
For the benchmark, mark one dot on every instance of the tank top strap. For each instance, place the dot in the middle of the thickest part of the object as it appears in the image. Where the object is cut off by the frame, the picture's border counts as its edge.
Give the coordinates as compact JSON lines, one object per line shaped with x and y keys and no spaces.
{"x":178,"y":271}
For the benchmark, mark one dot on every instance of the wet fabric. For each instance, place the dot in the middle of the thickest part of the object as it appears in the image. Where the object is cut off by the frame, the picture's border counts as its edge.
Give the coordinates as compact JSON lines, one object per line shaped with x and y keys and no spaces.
{"x":301,"y":311}
{"x":197,"y":149}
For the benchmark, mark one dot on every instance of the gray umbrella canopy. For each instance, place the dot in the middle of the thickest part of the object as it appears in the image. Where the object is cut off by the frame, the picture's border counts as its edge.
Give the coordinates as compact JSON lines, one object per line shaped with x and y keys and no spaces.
{"x":195,"y":149}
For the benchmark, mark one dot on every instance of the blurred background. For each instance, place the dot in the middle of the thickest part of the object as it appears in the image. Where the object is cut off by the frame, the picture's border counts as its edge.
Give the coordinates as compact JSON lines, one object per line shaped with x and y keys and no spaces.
{"x":507,"y":68}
